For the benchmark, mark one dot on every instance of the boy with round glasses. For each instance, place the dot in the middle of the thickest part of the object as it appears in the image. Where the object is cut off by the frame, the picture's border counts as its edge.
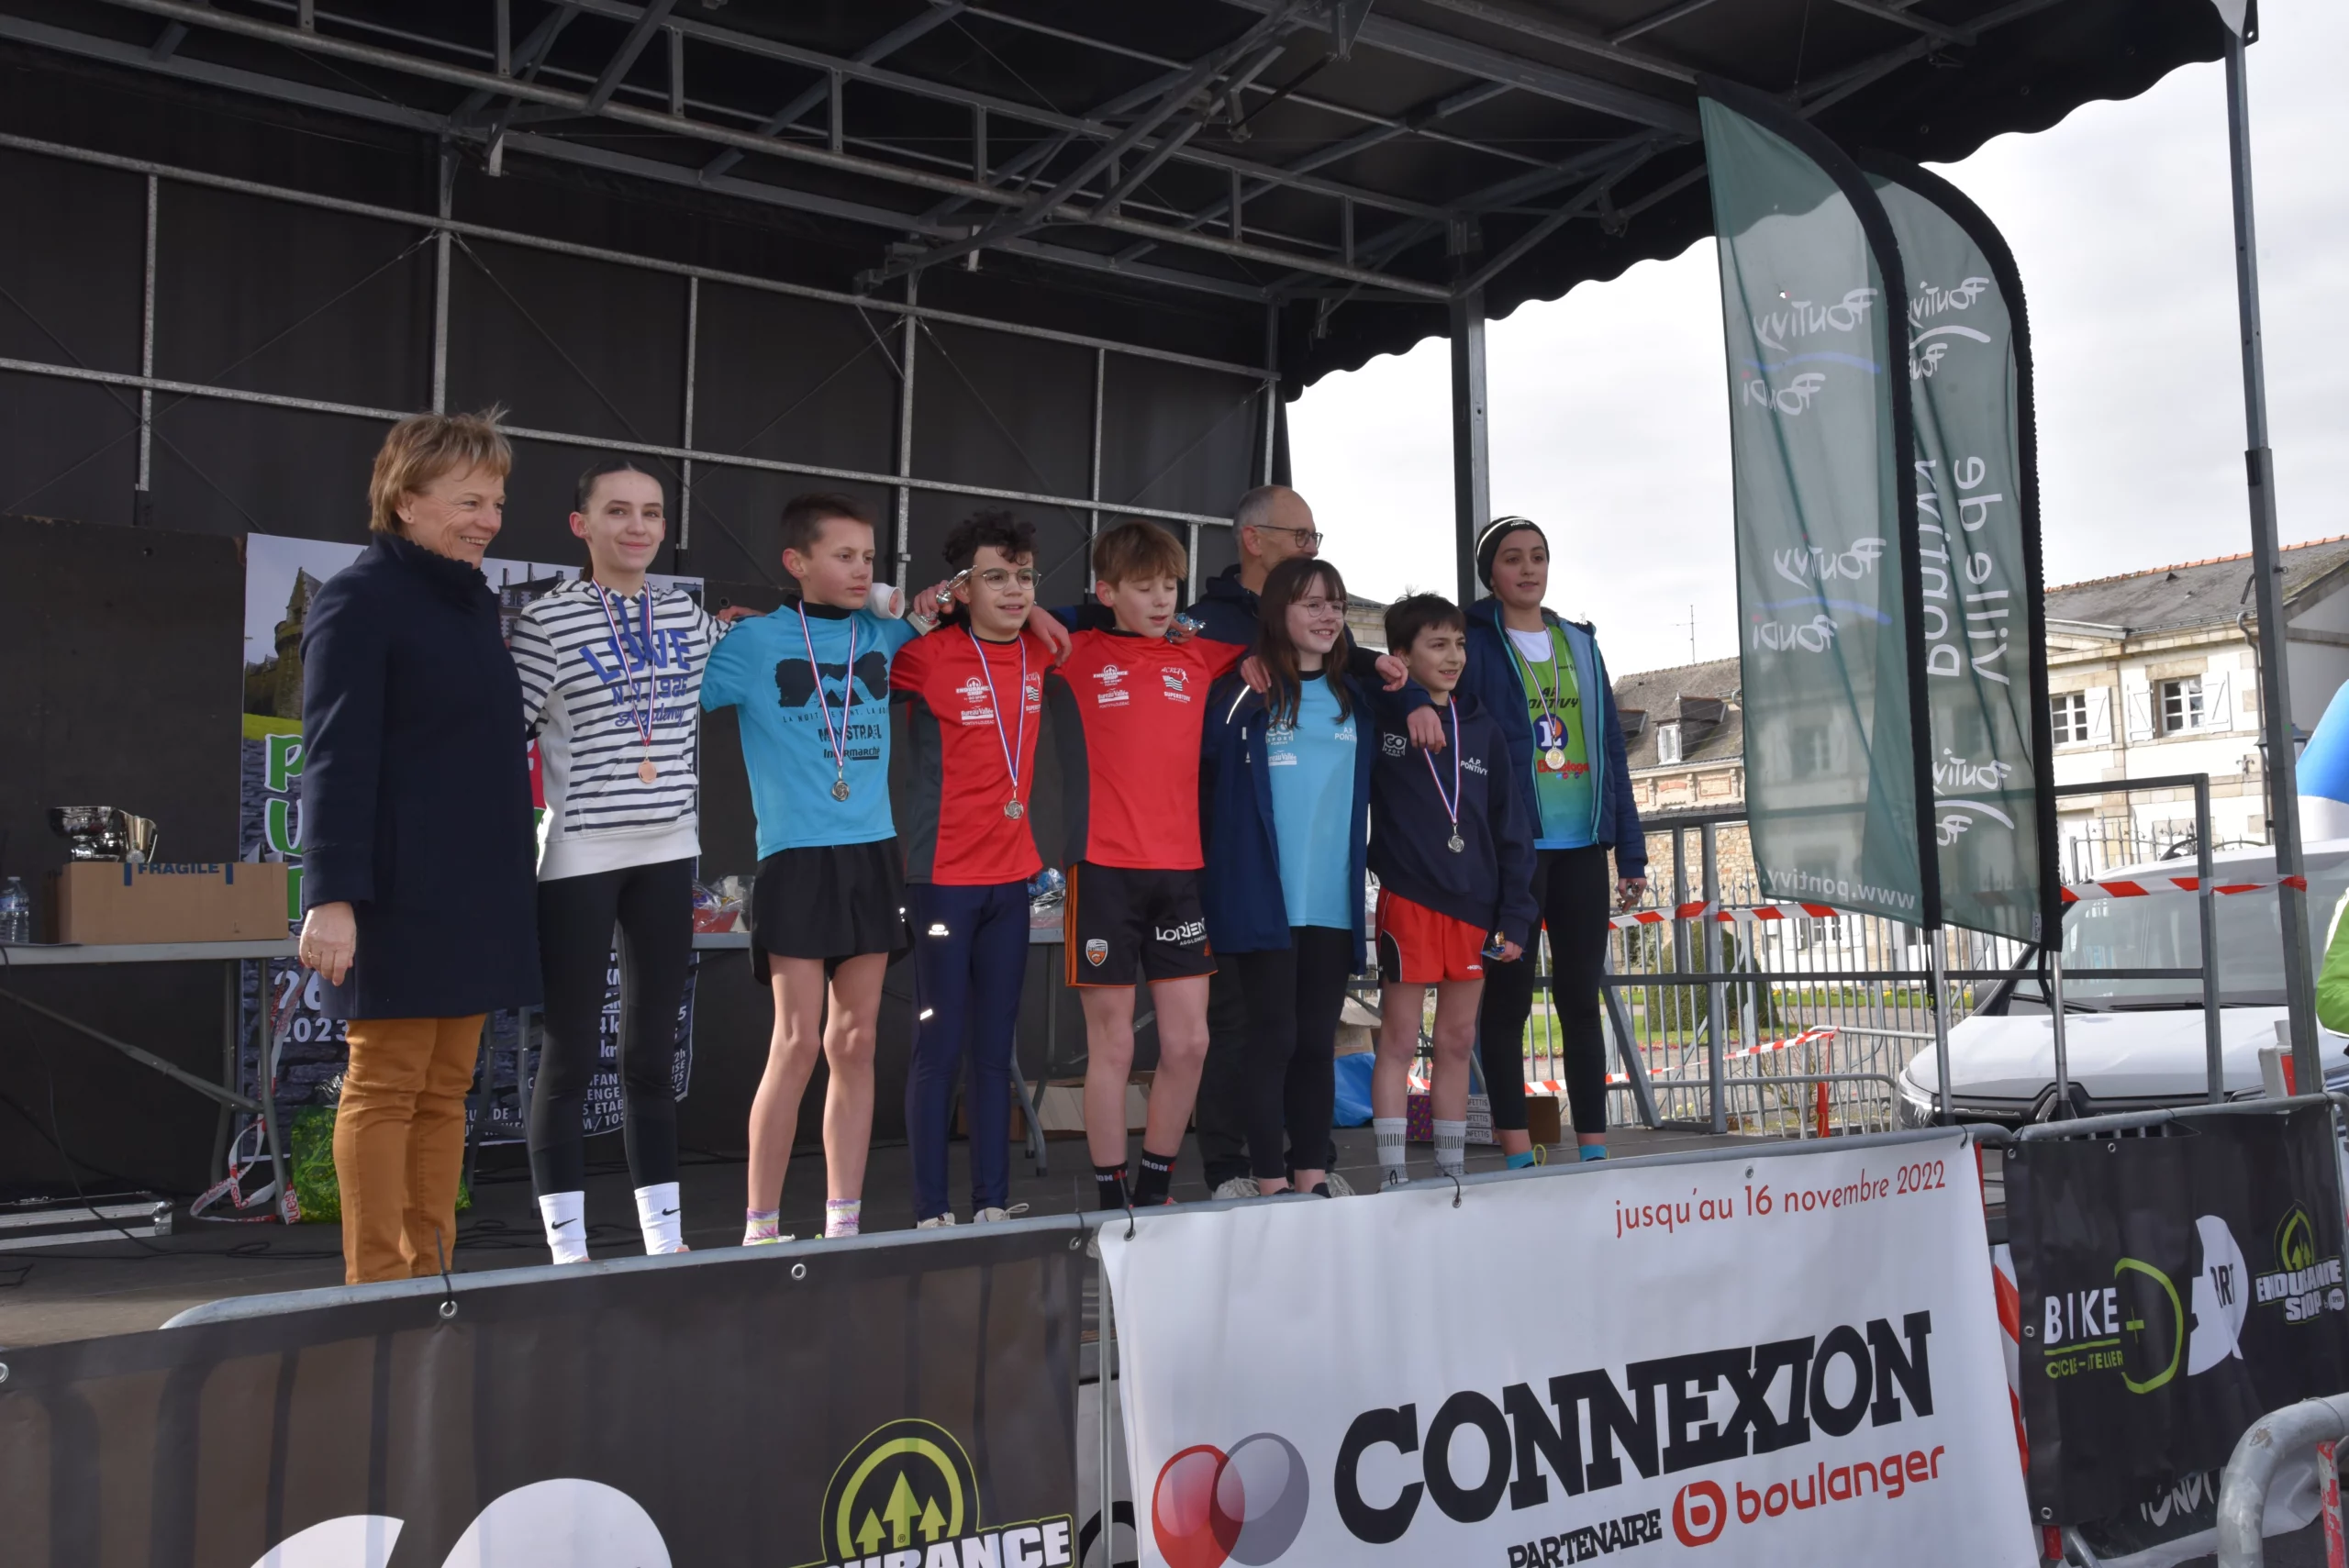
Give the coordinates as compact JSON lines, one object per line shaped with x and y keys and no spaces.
{"x":974,"y":694}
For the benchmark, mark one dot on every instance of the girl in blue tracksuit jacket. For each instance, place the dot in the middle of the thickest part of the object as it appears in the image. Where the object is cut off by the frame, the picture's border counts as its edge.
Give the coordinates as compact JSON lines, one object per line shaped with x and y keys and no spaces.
{"x":1542,"y":681}
{"x":1284,"y":803}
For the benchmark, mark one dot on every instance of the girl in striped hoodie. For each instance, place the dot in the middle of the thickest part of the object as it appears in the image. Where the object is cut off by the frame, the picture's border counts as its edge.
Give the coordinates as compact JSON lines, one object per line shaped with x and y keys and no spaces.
{"x":611,"y":670}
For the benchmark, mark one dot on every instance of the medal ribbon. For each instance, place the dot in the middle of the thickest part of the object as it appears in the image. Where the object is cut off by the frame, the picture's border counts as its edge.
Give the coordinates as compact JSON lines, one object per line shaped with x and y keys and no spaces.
{"x":1453,"y":804}
{"x":838,"y":743}
{"x":1010,"y":756}
{"x":1557,"y":688}
{"x":619,"y":626}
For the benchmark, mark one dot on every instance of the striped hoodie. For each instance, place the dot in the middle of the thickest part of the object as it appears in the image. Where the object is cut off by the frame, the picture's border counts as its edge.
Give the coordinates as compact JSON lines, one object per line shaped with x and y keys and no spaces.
{"x":588,"y":679}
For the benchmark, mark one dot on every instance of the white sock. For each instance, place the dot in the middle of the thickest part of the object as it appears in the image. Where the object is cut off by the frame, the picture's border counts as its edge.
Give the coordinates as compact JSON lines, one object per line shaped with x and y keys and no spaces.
{"x":841,"y":1214}
{"x":1451,"y":1142}
{"x":565,"y":1217}
{"x":1388,"y":1130}
{"x":660,"y":1214}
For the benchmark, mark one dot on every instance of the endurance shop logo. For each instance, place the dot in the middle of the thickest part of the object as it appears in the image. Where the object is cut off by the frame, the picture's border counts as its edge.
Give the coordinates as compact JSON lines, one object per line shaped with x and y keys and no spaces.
{"x":2309,"y":1286}
{"x":1576,"y":1432}
{"x":907,"y":1497}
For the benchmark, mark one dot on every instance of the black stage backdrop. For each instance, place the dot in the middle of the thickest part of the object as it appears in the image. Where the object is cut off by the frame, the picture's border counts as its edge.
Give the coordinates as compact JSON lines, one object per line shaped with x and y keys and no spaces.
{"x":2175,"y":1289}
{"x":733,"y":1407}
{"x":125,"y":647}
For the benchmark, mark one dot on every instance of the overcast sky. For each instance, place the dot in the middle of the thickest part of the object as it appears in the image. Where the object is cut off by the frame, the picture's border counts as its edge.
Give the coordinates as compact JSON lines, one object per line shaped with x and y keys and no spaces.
{"x":1608,"y":407}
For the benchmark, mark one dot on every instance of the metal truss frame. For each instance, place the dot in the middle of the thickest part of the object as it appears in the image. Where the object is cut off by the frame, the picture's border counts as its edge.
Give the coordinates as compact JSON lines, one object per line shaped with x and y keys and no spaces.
{"x":541,"y":111}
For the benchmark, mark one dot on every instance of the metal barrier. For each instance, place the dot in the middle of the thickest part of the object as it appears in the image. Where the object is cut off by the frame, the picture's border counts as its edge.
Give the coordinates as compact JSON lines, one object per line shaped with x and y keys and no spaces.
{"x":1707,"y":1020}
{"x":2243,"y":1486}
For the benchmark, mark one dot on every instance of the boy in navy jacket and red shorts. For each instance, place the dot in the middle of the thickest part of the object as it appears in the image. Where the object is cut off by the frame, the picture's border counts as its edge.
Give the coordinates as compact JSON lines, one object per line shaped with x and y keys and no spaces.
{"x":1454,"y":856}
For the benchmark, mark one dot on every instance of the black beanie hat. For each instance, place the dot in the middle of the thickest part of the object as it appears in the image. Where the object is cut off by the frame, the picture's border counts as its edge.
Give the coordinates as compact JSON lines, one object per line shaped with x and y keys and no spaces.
{"x":1488,"y":544}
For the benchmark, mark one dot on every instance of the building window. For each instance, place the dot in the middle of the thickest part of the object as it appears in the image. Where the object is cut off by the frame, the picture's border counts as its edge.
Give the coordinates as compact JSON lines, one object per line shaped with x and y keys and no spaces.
{"x":1667,"y":743}
{"x":2181,"y":705}
{"x":2069,"y":712}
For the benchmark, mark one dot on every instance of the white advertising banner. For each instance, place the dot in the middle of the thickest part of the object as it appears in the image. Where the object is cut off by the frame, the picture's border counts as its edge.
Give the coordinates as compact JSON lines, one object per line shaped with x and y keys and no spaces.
{"x":1792,"y":1358}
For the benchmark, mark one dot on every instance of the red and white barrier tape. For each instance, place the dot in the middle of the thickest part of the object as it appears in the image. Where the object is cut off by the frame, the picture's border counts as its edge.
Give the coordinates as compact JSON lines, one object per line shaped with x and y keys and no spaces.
{"x":2117,"y":887}
{"x":2147,"y":886}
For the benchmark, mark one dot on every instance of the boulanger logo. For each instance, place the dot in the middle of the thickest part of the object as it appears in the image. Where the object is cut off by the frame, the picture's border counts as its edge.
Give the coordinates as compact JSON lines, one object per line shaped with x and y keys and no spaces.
{"x":1211,"y":1508}
{"x":1702,"y":1511}
{"x":2307,"y":1285}
{"x":908,"y":1495}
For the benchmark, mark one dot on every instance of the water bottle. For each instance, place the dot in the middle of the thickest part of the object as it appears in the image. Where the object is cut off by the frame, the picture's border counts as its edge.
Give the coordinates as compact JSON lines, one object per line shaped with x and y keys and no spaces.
{"x":16,"y":912}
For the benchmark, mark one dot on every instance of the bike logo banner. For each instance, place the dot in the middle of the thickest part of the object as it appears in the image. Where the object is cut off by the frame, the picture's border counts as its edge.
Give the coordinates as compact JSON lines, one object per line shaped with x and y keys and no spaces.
{"x":2174,"y":1290}
{"x":1811,"y":296}
{"x":1977,"y":529}
{"x":1591,"y":1397}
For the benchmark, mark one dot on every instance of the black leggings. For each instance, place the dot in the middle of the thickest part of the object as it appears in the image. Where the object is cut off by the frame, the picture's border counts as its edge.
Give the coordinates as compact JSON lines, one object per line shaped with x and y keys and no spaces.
{"x":1292,"y":995}
{"x":653,"y":907}
{"x":1571,"y":888}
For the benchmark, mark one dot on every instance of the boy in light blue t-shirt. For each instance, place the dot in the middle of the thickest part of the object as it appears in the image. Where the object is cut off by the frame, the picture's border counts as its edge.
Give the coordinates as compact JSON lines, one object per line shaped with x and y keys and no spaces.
{"x":811,"y":684}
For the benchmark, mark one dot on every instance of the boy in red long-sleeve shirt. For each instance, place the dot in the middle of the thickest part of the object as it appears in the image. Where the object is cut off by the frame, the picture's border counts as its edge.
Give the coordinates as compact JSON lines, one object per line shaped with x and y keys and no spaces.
{"x":1127,"y":710}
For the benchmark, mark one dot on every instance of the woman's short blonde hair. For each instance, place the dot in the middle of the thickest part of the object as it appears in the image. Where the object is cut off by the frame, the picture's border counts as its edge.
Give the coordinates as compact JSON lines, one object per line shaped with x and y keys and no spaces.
{"x":426,"y":446}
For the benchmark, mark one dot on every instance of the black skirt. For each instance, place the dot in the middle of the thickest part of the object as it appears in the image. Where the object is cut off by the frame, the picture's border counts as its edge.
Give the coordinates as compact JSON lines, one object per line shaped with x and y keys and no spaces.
{"x":829,"y":901}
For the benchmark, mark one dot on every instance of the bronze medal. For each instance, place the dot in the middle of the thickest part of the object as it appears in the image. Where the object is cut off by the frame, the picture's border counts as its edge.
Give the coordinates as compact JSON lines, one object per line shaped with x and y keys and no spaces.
{"x":646,"y":771}
{"x":840,"y":789}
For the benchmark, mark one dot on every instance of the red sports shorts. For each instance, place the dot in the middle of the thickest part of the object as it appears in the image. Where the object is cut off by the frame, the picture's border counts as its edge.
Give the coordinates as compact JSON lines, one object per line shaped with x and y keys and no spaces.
{"x":1418,"y":947}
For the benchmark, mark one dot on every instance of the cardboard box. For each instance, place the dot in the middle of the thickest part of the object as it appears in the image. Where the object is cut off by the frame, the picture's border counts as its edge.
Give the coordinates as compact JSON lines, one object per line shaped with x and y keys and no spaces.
{"x":113,"y":901}
{"x":1060,"y":1109}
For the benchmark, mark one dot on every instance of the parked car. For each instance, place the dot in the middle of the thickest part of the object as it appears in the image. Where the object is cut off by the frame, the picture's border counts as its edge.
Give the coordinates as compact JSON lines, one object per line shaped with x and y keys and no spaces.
{"x":2135,"y":1045}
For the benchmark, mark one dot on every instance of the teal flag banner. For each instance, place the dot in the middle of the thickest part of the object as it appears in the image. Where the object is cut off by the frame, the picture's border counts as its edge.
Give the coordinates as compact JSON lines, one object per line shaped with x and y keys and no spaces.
{"x":1828,"y":577}
{"x":1977,"y":529}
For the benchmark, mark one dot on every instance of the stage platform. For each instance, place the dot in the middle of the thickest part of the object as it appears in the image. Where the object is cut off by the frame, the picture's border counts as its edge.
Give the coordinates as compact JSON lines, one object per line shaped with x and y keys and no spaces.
{"x":116,"y":1287}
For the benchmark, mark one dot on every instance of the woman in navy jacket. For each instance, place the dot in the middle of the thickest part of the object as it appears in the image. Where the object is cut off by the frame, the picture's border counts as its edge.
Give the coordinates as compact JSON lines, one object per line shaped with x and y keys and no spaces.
{"x":418,"y":863}
{"x":1284,"y":817}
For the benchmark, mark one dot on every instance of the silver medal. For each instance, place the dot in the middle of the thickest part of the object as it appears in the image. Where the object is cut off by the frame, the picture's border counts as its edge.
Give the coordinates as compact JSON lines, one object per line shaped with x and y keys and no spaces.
{"x":1455,"y":843}
{"x":1013,"y":809}
{"x":840,"y":789}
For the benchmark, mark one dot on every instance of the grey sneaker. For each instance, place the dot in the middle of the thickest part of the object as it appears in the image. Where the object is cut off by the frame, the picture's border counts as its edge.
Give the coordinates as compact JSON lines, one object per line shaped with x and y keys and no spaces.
{"x":1339,"y":1185}
{"x":993,"y":1215}
{"x":1393,"y":1177}
{"x":935,"y":1222}
{"x":1238,"y":1186}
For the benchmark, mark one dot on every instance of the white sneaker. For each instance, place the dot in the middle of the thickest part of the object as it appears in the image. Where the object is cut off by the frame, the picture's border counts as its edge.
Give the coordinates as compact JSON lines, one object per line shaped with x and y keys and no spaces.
{"x":1238,"y":1186}
{"x":1390,"y":1179}
{"x":935,"y":1222}
{"x":1339,"y":1185}
{"x":993,"y":1215}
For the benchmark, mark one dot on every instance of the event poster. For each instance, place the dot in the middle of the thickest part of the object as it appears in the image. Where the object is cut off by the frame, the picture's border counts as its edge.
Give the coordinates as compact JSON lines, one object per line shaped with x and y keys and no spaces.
{"x":1819,"y":474}
{"x":1792,"y":1358}
{"x":2173,"y":1290}
{"x":281,"y":1000}
{"x":1976,"y":521}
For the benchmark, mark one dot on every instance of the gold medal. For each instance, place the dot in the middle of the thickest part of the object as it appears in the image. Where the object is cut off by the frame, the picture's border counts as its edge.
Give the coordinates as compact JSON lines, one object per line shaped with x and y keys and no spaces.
{"x":1554,"y":758}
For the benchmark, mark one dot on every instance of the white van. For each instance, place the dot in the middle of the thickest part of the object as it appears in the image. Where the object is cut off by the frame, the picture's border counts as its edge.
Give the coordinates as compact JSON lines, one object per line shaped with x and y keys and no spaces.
{"x":2135,"y":1045}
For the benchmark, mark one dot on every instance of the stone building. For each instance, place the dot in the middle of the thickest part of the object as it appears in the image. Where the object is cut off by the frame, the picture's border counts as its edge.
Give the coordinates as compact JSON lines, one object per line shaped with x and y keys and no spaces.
{"x":2150,"y":673}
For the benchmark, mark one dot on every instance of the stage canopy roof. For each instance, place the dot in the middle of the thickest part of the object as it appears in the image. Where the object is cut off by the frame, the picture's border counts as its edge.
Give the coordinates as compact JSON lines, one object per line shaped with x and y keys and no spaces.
{"x":1344,"y":169}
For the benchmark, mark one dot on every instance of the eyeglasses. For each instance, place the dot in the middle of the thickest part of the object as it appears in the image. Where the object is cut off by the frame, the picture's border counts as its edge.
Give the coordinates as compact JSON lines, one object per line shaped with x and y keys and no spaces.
{"x":998,"y":579}
{"x":1317,"y":606}
{"x":1307,"y":538}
